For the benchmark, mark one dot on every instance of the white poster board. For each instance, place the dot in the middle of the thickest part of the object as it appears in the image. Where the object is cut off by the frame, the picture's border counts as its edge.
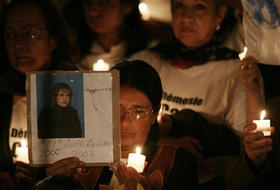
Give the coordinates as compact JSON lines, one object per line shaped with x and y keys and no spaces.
{"x":261,"y":24}
{"x":95,"y":99}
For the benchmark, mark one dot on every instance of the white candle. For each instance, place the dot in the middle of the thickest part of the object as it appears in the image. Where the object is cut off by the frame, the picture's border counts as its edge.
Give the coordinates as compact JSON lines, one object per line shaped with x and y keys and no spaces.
{"x":100,"y":65}
{"x":136,"y":160}
{"x":22,"y":152}
{"x":242,"y":55}
{"x":263,"y":124}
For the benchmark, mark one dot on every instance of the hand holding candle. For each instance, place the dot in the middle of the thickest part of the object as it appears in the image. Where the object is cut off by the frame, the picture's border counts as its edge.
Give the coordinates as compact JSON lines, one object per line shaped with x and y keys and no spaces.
{"x":136,"y":160}
{"x":263,"y":124}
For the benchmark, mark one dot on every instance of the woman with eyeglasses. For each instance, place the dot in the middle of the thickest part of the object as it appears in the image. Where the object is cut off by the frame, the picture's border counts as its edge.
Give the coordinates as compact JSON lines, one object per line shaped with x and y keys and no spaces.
{"x":34,"y":39}
{"x":168,"y":167}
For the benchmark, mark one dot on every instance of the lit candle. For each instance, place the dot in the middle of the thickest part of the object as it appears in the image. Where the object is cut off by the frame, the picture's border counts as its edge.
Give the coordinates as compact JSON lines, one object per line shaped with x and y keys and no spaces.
{"x":136,"y":160}
{"x":100,"y":65}
{"x":160,"y":114}
{"x":242,"y":55}
{"x":144,"y":11}
{"x":263,"y":124}
{"x":22,"y":152}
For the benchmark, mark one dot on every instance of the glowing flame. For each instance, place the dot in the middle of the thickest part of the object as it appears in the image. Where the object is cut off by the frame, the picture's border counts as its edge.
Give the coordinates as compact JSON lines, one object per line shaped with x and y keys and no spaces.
{"x":262,"y":115}
{"x":138,"y":150}
{"x":100,"y":65}
{"x":144,"y":10}
{"x":243,"y":54}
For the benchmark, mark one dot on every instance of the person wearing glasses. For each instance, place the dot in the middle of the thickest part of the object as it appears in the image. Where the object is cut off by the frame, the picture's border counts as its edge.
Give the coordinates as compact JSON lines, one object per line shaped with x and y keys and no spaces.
{"x":34,"y":39}
{"x":168,"y":167}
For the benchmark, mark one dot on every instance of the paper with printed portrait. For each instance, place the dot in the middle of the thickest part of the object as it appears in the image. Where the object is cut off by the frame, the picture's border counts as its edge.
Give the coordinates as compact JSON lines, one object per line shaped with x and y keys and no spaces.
{"x":73,"y":114}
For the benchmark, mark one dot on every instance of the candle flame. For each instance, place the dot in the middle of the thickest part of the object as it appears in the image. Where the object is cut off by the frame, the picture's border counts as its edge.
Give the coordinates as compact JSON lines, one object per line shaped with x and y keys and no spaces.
{"x":138,"y":150}
{"x":100,"y":65}
{"x":23,"y":143}
{"x":242,"y":55}
{"x":262,"y":115}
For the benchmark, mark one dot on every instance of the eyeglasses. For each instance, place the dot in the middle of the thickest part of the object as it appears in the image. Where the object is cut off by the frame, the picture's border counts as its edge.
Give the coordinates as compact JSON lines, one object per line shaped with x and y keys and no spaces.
{"x":29,"y":34}
{"x":137,"y":112}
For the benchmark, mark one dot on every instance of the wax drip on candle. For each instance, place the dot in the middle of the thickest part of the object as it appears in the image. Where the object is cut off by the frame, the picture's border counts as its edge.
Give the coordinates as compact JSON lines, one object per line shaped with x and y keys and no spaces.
{"x":242,"y":55}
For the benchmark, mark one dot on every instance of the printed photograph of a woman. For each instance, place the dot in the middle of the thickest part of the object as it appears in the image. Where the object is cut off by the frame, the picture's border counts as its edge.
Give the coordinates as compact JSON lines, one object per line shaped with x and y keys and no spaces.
{"x":59,"y":119}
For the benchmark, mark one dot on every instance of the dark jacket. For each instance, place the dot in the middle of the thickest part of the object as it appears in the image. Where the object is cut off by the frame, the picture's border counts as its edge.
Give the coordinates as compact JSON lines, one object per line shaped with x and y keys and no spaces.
{"x":59,"y":122}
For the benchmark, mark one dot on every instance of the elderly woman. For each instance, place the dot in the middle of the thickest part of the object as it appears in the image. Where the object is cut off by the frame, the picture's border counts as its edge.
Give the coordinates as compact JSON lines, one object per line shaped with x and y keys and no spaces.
{"x":196,"y":70}
{"x":35,"y":38}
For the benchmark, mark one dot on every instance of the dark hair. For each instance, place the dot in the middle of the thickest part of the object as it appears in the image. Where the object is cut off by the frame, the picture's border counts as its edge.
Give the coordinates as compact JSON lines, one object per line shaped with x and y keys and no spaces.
{"x":55,"y":90}
{"x":59,"y":182}
{"x":56,"y":28}
{"x":143,"y":77}
{"x":133,"y":31}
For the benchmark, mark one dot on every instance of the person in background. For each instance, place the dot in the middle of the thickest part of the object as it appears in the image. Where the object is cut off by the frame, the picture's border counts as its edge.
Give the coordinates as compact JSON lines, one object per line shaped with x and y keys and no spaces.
{"x":35,"y":39}
{"x":258,"y":164}
{"x":198,"y":73}
{"x":109,"y":30}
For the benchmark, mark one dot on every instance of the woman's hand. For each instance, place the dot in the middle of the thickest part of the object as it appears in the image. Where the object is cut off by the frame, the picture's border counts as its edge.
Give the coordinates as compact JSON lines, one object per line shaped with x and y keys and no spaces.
{"x":26,"y":171}
{"x":256,"y":145}
{"x":130,"y":177}
{"x":250,"y":74}
{"x":6,"y":181}
{"x":64,"y":166}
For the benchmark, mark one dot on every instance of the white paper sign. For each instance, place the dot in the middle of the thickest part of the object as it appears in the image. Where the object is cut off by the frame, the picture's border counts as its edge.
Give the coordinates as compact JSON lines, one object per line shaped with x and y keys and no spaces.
{"x":81,"y":122}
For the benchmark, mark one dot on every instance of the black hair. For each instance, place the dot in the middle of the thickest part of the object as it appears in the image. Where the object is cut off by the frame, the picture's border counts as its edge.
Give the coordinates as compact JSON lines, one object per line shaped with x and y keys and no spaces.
{"x":141,"y":76}
{"x":59,"y":182}
{"x":132,"y":30}
{"x":56,"y":28}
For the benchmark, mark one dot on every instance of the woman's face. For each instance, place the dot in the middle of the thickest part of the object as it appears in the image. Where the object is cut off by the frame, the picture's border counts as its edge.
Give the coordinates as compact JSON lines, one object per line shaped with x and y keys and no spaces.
{"x":195,"y":21}
{"x":27,"y":41}
{"x":63,"y":97}
{"x":105,"y":16}
{"x":136,"y":119}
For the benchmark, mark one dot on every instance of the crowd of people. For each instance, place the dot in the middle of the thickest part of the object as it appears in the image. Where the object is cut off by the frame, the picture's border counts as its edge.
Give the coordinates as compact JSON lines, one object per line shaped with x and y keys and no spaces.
{"x":189,"y":102}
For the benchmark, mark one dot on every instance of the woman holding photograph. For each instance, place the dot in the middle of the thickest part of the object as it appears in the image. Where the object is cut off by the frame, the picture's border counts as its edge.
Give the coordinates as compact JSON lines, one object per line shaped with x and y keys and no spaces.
{"x":35,"y":38}
{"x":59,"y":119}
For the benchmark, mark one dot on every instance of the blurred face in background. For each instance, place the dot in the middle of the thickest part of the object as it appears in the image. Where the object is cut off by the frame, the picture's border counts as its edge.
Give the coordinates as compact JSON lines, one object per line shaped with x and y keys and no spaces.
{"x":27,"y":41}
{"x":105,"y":16}
{"x":195,"y":21}
{"x":136,"y":119}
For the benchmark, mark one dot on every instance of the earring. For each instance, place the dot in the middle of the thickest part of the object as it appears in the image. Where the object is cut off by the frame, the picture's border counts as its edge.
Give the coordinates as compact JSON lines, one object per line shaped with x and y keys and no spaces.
{"x":218,"y":27}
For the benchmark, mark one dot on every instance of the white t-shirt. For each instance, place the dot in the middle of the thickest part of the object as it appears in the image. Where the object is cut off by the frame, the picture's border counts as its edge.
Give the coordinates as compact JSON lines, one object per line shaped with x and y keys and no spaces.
{"x":213,"y":89}
{"x":18,"y":125}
